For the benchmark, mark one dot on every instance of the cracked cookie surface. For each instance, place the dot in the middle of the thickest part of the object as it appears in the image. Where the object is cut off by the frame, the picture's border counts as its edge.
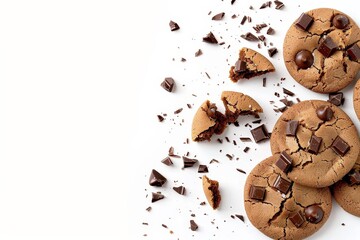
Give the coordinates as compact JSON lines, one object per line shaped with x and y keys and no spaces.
{"x":356,"y":98}
{"x":330,"y":69}
{"x":272,"y":215}
{"x":325,"y":166}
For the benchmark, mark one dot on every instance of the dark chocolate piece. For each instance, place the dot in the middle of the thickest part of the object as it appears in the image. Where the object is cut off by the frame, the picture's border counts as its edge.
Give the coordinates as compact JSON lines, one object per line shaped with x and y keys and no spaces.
{"x":156,"y":179}
{"x":167,"y":161}
{"x":188,"y":162}
{"x":340,"y":146}
{"x":178,"y":111}
{"x":245,"y":139}
{"x":243,"y":20}
{"x":198,"y":53}
{"x":336,"y":98}
{"x":156,"y":197}
{"x":324,"y":113}
{"x":246,"y":149}
{"x":168,"y":84}
{"x":288,"y":92}
{"x":327,"y":47}
{"x":270,"y":31}
{"x":272,"y":51}
{"x":232,"y":2}
{"x":241,"y":217}
{"x":240,"y":66}
{"x":260,"y":133}
{"x":203,"y":169}
{"x":304,"y":59}
{"x":284,"y":162}
{"x":174,"y":26}
{"x":354,"y":52}
{"x":314,"y":214}
{"x":218,"y":16}
{"x":340,"y":21}
{"x":304,"y":21}
{"x":297,"y":219}
{"x":262,"y":38}
{"x":214,"y":161}
{"x":278,"y":5}
{"x":288,"y":103}
{"x":250,"y":37}
{"x":210,"y":38}
{"x":291,"y":128}
{"x":240,"y":170}
{"x":160,"y":118}
{"x":282,"y":184}
{"x":180,"y":190}
{"x":353,"y":177}
{"x":193,"y":225}
{"x":314,"y":144}
{"x":257,"y":193}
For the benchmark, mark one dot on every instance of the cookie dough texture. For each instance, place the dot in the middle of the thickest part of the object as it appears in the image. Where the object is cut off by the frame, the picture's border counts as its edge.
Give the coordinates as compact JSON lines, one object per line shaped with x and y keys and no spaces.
{"x":356,"y":98}
{"x":271,"y":216}
{"x":211,"y":191}
{"x":326,"y":167}
{"x":326,"y":74}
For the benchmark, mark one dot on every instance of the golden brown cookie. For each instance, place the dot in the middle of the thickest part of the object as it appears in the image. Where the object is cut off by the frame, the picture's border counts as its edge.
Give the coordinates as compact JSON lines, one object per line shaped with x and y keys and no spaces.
{"x":321,"y":50}
{"x":356,"y":98}
{"x":237,"y":104}
{"x":250,"y":64}
{"x":211,"y":191}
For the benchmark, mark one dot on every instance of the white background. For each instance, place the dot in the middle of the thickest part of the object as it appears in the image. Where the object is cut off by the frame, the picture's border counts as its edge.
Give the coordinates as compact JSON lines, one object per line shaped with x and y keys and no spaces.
{"x":72,"y":75}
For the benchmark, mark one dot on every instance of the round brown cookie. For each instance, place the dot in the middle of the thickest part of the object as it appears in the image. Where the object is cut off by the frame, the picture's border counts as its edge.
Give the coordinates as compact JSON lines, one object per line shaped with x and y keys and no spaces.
{"x":321,"y":50}
{"x":322,"y":151}
{"x":347,"y":191}
{"x":356,"y":98}
{"x":293,"y":212}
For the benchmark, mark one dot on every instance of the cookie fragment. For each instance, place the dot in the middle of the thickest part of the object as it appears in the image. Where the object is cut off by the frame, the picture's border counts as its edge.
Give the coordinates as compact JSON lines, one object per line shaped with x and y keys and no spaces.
{"x":211,"y":190}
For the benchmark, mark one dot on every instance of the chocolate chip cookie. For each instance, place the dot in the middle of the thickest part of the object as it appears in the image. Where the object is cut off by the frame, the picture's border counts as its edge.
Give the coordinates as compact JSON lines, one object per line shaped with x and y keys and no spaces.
{"x":356,"y":98}
{"x":321,"y":50}
{"x":320,"y":140}
{"x":280,"y":208}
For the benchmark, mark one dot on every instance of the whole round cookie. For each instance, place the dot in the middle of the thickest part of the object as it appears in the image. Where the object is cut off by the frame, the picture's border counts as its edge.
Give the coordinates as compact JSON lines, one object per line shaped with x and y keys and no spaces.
{"x":321,"y":50}
{"x":356,"y":98}
{"x":347,"y":191}
{"x":281,"y":209}
{"x":320,"y":141}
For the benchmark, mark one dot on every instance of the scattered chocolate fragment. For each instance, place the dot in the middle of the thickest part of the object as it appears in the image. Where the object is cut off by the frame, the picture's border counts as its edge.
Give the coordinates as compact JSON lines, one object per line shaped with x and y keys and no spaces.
{"x":282,"y":184}
{"x":314,"y":144}
{"x":241,"y":217}
{"x":188,"y":162}
{"x":164,"y":225}
{"x":257,"y":193}
{"x":210,"y":38}
{"x":233,"y":16}
{"x":264,"y":82}
{"x":214,"y":161}
{"x":240,"y":170}
{"x":218,"y":16}
{"x":327,"y":47}
{"x":272,"y":51}
{"x":203,"y":169}
{"x":354,"y":52}
{"x":156,"y":197}
{"x":297,"y":219}
{"x":265,"y":5}
{"x":278,"y":5}
{"x":304,"y":59}
{"x":246,"y":149}
{"x":245,"y":139}
{"x":324,"y":113}
{"x":336,"y":98}
{"x":249,"y":37}
{"x":161,"y":118}
{"x":171,"y":152}
{"x":288,"y":92}
{"x":198,"y":53}
{"x":229,"y":156}
{"x":156,"y":179}
{"x":178,"y":111}
{"x":193,"y":225}
{"x":288,"y":103}
{"x":183,"y":59}
{"x":340,"y":146}
{"x":211,"y":190}
{"x":340,"y":21}
{"x":314,"y":213}
{"x":257,"y":121}
{"x":261,"y":38}
{"x":270,"y":31}
{"x":232,"y":2}
{"x":167,"y":161}
{"x":180,"y":190}
{"x":243,"y":20}
{"x":304,"y":21}
{"x":173,"y":26}
{"x":284,"y":162}
{"x":168,"y":84}
{"x":148,"y":209}
{"x":260,"y":133}
{"x":353,"y":177}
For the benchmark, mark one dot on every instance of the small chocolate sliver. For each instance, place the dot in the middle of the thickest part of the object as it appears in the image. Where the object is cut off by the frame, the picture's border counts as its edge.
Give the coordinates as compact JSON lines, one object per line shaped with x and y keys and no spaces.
{"x":245,"y":139}
{"x":210,"y":38}
{"x":260,"y":133}
{"x":232,"y":2}
{"x":198,"y":53}
{"x":314,"y":144}
{"x":167,"y":161}
{"x":304,"y":21}
{"x":353,"y":178}
{"x":160,"y":118}
{"x":243,"y":20}
{"x":314,"y":214}
{"x":180,"y":190}
{"x":218,"y":16}
{"x":327,"y":47}
{"x":291,"y":128}
{"x":340,"y":21}
{"x":304,"y":59}
{"x":214,"y":161}
{"x":284,"y":162}
{"x":336,"y":98}
{"x":168,"y":84}
{"x":156,"y":197}
{"x":250,"y":37}
{"x":340,"y":146}
{"x":272,"y":51}
{"x":241,"y":171}
{"x":178,"y":111}
{"x":297,"y":219}
{"x":324,"y":113}
{"x":193,"y":225}
{"x":354,"y":52}
{"x":270,"y":31}
{"x":246,"y":149}
{"x":156,"y":179}
{"x":188,"y":162}
{"x":282,"y":184}
{"x":203,"y":169}
{"x":257,"y":193}
{"x":241,"y":217}
{"x":278,"y":5}
{"x":173,"y":26}
{"x":288,"y":92}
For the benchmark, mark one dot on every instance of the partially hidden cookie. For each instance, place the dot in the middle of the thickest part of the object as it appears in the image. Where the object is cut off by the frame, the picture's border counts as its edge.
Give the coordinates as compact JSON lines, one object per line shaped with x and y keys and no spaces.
{"x":211,"y":191}
{"x":321,"y":50}
{"x":250,"y":64}
{"x":356,"y":98}
{"x":347,"y":191}
{"x":237,"y":104}
{"x":321,"y":141}
{"x":207,"y":121}
{"x":280,"y":208}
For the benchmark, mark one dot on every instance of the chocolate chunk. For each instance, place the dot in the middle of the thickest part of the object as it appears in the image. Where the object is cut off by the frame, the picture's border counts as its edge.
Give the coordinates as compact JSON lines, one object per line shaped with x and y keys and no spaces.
{"x":156,"y":179}
{"x":167,"y":161}
{"x":240,"y":66}
{"x":353,"y":177}
{"x":314,"y":144}
{"x":198,"y":53}
{"x":240,"y":170}
{"x":314,"y":213}
{"x":218,"y":16}
{"x":297,"y":219}
{"x":180,"y":190}
{"x":257,"y":193}
{"x":304,"y":21}
{"x":287,"y":102}
{"x":210,"y":38}
{"x":288,"y":92}
{"x":156,"y":197}
{"x":178,"y":111}
{"x":270,"y":31}
{"x":278,"y":5}
{"x":262,"y":38}
{"x":336,"y":98}
{"x":214,"y":161}
{"x":250,"y":37}
{"x":203,"y":169}
{"x":327,"y":47}
{"x":291,"y":128}
{"x":193,"y":225}
{"x":168,"y":84}
{"x":304,"y":59}
{"x":282,"y":184}
{"x":260,"y":133}
{"x":241,"y":217}
{"x":160,"y":118}
{"x":243,"y":20}
{"x":188,"y":162}
{"x":148,"y":209}
{"x":174,"y":26}
{"x":340,"y":21}
{"x":245,"y":139}
{"x":284,"y":162}
{"x":324,"y":113}
{"x":246,"y":149}
{"x":272,"y":51}
{"x":232,"y":2}
{"x":354,"y":52}
{"x":340,"y":146}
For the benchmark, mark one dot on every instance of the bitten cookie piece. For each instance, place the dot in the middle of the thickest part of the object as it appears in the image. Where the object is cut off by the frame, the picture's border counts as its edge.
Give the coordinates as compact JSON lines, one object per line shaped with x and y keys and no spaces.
{"x":356,"y":98}
{"x":250,"y":64}
{"x":237,"y":104}
{"x":207,"y":121}
{"x":280,"y":208}
{"x":211,"y":190}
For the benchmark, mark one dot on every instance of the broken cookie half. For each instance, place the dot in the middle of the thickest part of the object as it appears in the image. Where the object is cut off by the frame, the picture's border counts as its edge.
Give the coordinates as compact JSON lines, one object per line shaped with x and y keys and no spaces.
{"x":237,"y":104}
{"x":211,"y":190}
{"x":207,"y":121}
{"x":250,"y":64}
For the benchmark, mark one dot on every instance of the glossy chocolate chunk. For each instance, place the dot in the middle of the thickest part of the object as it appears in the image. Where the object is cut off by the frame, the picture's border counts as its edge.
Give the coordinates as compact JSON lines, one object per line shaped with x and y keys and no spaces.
{"x":278,"y":5}
{"x":327,"y":47}
{"x":156,"y":179}
{"x":249,"y":37}
{"x":282,"y":184}
{"x":354,"y":52}
{"x":260,"y":133}
{"x":240,"y":66}
{"x":203,"y":169}
{"x":340,"y":146}
{"x":340,"y":21}
{"x":193,"y":225}
{"x":314,"y":144}
{"x":167,"y":161}
{"x":284,"y":162}
{"x":353,"y":177}
{"x":210,"y":38}
{"x":324,"y":113}
{"x":297,"y":219}
{"x":270,"y":31}
{"x":173,"y":26}
{"x":218,"y":16}
{"x":304,"y":59}
{"x":257,"y":193}
{"x":156,"y":197}
{"x":314,"y":214}
{"x":168,"y":84}
{"x":304,"y":21}
{"x":180,"y":190}
{"x":272,"y":51}
{"x":336,"y":98}
{"x":188,"y":162}
{"x":291,"y":128}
